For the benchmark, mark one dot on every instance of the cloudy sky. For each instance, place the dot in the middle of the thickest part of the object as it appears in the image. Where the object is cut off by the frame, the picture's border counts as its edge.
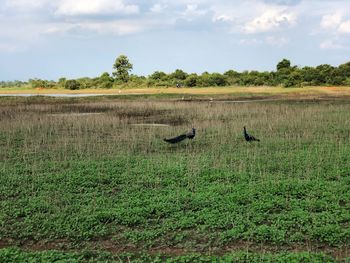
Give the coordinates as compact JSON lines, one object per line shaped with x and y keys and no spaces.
{"x":75,"y":38}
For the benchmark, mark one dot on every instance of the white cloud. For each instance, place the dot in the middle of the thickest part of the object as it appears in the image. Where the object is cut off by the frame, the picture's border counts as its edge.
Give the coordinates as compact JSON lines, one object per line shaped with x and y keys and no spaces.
{"x":272,"y":19}
{"x":250,"y":42}
{"x":157,"y":8}
{"x":115,"y":27}
{"x":330,"y":44}
{"x":244,"y":18}
{"x":120,"y":27}
{"x":193,"y":11}
{"x":331,"y":21}
{"x":277,"y":41}
{"x":223,"y":18}
{"x":26,"y":5}
{"x":94,"y":7}
{"x":8,"y":48}
{"x":283,"y":2}
{"x":344,"y":27}
{"x":270,"y":40}
{"x":335,"y":23}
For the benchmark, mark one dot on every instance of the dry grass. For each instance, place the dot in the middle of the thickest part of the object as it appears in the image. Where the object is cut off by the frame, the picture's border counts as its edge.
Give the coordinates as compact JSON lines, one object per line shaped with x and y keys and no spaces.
{"x":95,"y":128}
{"x":305,"y":92}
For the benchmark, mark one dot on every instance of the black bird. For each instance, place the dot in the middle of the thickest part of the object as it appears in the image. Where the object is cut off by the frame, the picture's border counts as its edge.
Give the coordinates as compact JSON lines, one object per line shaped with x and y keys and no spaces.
{"x":190,"y":135}
{"x":249,"y":138}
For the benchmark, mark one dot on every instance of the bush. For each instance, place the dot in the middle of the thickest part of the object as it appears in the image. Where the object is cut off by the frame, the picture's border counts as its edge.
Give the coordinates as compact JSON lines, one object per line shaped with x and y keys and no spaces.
{"x":158,"y":75}
{"x":178,"y":75}
{"x":217,"y":79}
{"x":105,"y":81}
{"x":191,"y":80}
{"x":346,"y":82}
{"x":72,"y":84}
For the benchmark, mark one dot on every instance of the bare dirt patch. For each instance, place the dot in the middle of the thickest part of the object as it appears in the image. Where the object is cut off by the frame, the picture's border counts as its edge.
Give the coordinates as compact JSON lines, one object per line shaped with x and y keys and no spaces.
{"x":75,"y":114}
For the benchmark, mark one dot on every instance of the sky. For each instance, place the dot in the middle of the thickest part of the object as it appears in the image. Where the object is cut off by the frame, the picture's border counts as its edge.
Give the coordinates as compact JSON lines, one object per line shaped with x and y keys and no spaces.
{"x":50,"y":39}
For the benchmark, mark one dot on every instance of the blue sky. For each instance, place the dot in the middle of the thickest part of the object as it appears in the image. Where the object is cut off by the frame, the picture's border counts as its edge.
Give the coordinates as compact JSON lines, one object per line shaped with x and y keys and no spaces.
{"x":77,"y":38}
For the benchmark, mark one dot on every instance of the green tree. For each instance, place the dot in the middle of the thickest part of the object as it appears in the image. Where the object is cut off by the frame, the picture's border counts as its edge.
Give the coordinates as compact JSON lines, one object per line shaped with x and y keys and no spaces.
{"x":344,"y":70}
{"x":158,"y":75}
{"x":293,"y":79}
{"x":309,"y":75}
{"x":283,"y":64}
{"x":346,"y":82}
{"x":325,"y":74}
{"x":72,"y":84}
{"x":137,"y":80}
{"x":284,"y":72}
{"x":213,"y":79}
{"x":217,"y":79}
{"x":62,"y":81}
{"x":105,"y":81}
{"x":87,"y":83}
{"x":122,"y":67}
{"x":179,"y":74}
{"x":191,"y":80}
{"x":233,"y":77}
{"x":40,"y":83}
{"x":204,"y":80}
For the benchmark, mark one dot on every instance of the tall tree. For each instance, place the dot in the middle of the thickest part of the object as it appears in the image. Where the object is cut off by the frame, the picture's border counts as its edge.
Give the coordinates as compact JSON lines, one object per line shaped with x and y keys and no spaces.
{"x":283,"y":64}
{"x":122,"y":67}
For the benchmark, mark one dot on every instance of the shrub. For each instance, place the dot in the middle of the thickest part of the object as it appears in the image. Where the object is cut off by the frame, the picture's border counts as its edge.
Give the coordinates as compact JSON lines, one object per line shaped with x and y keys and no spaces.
{"x":72,"y":84}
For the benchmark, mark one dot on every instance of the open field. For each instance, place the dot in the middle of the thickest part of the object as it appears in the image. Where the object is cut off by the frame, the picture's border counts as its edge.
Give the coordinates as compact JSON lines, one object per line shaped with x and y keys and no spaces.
{"x":276,"y":92}
{"x":83,"y":179}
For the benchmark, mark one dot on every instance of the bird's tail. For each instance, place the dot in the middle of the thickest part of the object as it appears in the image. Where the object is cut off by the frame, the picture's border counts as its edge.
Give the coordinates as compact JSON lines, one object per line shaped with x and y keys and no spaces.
{"x":176,"y":139}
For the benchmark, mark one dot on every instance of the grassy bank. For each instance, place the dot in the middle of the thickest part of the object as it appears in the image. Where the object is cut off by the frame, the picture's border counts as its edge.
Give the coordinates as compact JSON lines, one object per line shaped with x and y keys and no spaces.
{"x":95,"y":175}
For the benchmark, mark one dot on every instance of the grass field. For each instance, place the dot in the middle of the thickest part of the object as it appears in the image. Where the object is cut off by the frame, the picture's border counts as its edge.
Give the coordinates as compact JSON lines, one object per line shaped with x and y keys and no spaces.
{"x":91,"y":179}
{"x":276,"y":92}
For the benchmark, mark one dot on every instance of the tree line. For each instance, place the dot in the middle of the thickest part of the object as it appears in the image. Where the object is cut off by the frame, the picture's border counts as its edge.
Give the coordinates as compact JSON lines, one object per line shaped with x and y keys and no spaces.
{"x":285,"y":75}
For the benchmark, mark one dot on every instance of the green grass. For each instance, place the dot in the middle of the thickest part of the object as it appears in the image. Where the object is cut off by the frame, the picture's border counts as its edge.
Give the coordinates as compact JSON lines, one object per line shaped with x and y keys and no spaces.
{"x":97,"y":182}
{"x":16,"y":255}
